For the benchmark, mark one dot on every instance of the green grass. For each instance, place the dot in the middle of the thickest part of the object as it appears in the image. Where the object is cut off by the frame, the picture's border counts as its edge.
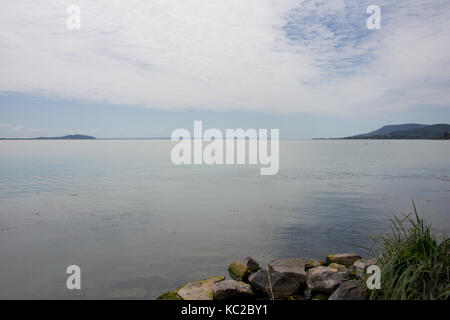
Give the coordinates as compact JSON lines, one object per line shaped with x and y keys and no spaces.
{"x":414,"y":263}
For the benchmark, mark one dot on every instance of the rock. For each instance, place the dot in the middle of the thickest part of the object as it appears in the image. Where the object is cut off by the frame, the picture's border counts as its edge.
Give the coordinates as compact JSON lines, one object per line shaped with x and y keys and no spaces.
{"x":320,"y":296}
{"x":199,"y":290}
{"x":251,"y":264}
{"x":292,"y":268}
{"x":354,"y":273}
{"x":238,"y":271}
{"x":323,"y":279}
{"x":337,"y":266}
{"x":241,"y":270}
{"x":169,"y":295}
{"x":364,"y":263}
{"x":230,"y":289}
{"x":128,"y":294}
{"x":357,"y":270}
{"x":350,"y":290}
{"x":314,"y":263}
{"x":282,"y":286}
{"x":347,"y":259}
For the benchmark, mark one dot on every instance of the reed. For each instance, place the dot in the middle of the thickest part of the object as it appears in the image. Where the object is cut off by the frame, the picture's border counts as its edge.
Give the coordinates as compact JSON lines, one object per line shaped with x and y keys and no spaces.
{"x":414,"y":263}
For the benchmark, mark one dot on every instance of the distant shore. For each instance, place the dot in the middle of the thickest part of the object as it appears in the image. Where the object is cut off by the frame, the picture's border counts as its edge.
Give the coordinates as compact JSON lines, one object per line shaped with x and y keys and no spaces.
{"x":68,"y":137}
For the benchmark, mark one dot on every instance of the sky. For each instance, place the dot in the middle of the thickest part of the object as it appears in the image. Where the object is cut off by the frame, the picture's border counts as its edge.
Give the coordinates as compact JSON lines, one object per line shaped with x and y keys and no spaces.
{"x":142,"y":68}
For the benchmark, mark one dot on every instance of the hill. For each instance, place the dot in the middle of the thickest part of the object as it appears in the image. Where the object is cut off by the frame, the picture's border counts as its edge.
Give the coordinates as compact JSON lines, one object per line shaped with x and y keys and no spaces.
{"x":408,"y":131}
{"x":391,"y":128}
{"x":68,"y":137}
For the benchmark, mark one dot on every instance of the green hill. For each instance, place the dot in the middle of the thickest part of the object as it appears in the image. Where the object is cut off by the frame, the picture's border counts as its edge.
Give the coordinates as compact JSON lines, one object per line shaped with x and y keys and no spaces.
{"x":408,"y":131}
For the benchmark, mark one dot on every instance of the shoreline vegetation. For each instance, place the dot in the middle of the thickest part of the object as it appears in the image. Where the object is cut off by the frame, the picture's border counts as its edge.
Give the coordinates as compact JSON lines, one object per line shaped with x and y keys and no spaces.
{"x":413,"y":263}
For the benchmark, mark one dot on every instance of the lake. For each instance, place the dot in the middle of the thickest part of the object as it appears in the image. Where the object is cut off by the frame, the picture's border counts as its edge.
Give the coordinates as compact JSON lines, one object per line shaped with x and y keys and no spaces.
{"x":132,"y":220}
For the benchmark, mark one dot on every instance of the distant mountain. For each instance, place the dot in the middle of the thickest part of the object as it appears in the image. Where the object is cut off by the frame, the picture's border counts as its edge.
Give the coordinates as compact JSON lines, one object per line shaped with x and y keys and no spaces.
{"x":68,"y":137}
{"x":408,"y":131}
{"x":391,"y":128}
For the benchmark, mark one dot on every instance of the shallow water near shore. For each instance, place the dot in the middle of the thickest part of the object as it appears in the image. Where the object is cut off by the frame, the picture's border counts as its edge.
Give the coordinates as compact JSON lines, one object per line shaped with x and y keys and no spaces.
{"x":136,"y":224}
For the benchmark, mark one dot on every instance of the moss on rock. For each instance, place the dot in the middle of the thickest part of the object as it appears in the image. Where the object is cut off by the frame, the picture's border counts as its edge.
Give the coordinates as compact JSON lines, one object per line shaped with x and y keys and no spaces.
{"x":346,"y":259}
{"x":238,"y":271}
{"x":320,"y":296}
{"x":314,"y":263}
{"x":169,"y":295}
{"x":199,"y":290}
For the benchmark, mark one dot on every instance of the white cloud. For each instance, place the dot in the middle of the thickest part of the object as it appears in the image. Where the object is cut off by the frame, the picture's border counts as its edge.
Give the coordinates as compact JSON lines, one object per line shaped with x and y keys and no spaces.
{"x":17,"y":131}
{"x":230,"y":54}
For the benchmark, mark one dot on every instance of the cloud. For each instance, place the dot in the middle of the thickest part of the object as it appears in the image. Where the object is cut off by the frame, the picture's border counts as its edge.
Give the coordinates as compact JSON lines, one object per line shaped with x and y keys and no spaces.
{"x":17,"y":131}
{"x":254,"y":55}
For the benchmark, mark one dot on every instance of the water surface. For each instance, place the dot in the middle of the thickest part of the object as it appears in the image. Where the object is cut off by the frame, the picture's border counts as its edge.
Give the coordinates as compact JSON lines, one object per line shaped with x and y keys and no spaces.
{"x":132,"y":220}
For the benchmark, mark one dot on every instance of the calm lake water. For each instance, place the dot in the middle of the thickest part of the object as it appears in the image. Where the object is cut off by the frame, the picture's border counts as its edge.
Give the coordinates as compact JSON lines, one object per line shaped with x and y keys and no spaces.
{"x":132,"y":220}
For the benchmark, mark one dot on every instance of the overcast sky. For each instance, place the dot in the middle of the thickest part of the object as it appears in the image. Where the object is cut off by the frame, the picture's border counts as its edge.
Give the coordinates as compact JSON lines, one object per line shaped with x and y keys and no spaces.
{"x":141,"y":68}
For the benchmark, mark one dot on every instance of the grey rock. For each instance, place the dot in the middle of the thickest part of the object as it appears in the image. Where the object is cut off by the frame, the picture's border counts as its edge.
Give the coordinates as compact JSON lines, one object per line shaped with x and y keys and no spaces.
{"x":323,"y":279}
{"x":230,"y":289}
{"x":240,"y":270}
{"x":292,"y":268}
{"x":354,"y":273}
{"x":347,"y":259}
{"x":337,"y":267}
{"x":364,"y":263}
{"x":282,"y":286}
{"x":199,"y":290}
{"x":350,"y":290}
{"x":251,"y":264}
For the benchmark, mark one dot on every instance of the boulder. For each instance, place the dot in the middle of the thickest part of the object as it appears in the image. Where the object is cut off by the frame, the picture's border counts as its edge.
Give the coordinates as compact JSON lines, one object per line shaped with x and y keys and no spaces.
{"x":251,"y":264}
{"x":347,"y":259}
{"x":242,"y":269}
{"x":354,"y":273}
{"x":323,"y":279}
{"x":292,"y":268}
{"x":337,"y":267}
{"x":169,"y":295}
{"x":199,"y":290}
{"x":282,"y":286}
{"x":350,"y":290}
{"x":364,"y":263}
{"x":230,"y":289}
{"x":314,"y":263}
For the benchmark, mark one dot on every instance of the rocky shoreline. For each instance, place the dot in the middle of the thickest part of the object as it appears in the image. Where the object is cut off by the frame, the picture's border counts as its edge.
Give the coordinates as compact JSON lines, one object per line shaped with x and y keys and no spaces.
{"x":338,"y":277}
